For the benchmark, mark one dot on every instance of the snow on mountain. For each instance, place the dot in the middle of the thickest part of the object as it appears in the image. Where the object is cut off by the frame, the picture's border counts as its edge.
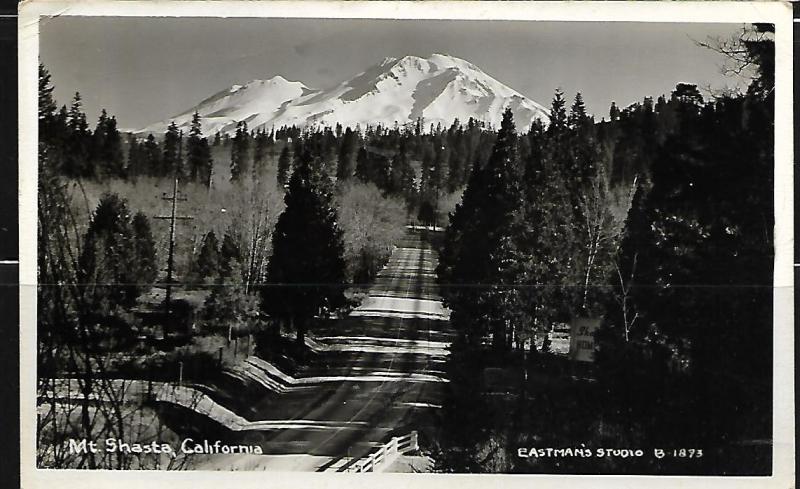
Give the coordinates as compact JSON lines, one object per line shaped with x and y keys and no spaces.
{"x":438,"y":89}
{"x":256,"y":102}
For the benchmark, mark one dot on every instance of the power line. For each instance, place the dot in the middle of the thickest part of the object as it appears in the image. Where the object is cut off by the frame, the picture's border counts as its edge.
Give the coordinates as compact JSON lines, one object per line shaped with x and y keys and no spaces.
{"x":173,"y":217}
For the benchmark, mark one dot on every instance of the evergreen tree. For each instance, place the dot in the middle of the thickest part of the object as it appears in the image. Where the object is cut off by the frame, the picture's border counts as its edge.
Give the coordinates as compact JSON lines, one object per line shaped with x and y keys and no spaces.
{"x":613,"y":112}
{"x":402,"y":176}
{"x":198,"y":153}
{"x":49,"y":132}
{"x":260,"y":150}
{"x":207,"y":262}
{"x":548,"y":235}
{"x":239,"y":152}
{"x":98,"y":142}
{"x":52,"y":124}
{"x":113,"y":148}
{"x":181,"y":167}
{"x":438,"y":176}
{"x":78,"y":141}
{"x":558,"y":115}
{"x":227,"y":309}
{"x":230,"y":257}
{"x":347,"y":155}
{"x":106,"y":152}
{"x":151,"y":157}
{"x":136,"y":164}
{"x":458,"y":162}
{"x":362,"y":171}
{"x":426,"y":168}
{"x":108,"y":270}
{"x":577,"y":113}
{"x":171,"y":164}
{"x":481,"y":242}
{"x":307,"y":249}
{"x":144,"y":250}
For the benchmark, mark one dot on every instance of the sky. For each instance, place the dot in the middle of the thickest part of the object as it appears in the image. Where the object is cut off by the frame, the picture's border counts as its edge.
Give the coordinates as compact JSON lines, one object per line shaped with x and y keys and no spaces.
{"x":144,"y":70}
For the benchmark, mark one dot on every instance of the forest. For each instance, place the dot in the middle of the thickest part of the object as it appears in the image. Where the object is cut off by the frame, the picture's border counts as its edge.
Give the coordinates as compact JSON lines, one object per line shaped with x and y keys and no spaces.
{"x":656,"y":220}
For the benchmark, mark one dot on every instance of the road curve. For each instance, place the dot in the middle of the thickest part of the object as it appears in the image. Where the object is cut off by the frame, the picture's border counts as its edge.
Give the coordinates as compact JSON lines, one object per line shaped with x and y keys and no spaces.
{"x":380,"y":374}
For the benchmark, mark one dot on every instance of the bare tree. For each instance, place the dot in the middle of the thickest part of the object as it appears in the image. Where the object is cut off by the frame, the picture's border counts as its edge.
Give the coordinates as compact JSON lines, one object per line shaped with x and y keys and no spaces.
{"x":77,"y":398}
{"x":604,"y":211}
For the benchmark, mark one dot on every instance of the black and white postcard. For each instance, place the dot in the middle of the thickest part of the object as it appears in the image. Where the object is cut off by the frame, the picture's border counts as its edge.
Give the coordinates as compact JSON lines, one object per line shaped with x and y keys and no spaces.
{"x":285,"y":244}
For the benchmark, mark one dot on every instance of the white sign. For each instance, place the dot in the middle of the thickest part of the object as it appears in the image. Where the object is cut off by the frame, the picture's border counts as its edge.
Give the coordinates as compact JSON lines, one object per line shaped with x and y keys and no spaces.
{"x":581,"y":339}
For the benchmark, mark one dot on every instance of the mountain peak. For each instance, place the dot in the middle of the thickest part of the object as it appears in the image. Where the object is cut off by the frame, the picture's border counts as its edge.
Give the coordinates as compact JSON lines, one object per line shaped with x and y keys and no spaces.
{"x":436,"y":89}
{"x":280,"y":80}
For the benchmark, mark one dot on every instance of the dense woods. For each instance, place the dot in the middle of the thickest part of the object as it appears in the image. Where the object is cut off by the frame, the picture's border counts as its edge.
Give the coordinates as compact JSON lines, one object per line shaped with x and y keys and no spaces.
{"x":658,"y":221}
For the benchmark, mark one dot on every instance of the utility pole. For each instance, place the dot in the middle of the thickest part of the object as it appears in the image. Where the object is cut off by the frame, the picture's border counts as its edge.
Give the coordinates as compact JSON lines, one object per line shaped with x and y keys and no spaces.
{"x":173,"y":218}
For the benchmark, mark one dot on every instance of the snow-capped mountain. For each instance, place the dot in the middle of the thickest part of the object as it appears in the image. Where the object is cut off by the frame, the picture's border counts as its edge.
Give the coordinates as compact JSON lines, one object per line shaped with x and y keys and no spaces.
{"x":259,"y":99}
{"x":437,"y":89}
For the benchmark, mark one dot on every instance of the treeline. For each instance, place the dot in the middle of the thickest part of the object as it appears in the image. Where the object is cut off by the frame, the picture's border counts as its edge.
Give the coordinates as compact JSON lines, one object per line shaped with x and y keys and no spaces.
{"x":420,"y":166}
{"x":540,"y":222}
{"x":659,"y":222}
{"x":402,"y":161}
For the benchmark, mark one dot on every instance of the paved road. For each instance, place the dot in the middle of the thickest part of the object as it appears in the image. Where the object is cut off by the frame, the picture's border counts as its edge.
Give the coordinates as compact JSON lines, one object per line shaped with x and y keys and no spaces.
{"x":380,"y":375}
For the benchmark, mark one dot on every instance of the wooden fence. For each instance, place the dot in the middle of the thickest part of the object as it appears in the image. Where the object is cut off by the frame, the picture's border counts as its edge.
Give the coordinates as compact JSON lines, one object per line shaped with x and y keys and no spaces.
{"x":386,"y":454}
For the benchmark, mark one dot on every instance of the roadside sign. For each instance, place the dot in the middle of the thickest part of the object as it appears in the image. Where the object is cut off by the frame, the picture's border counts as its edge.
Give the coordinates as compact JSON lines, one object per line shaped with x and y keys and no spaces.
{"x":581,"y":339}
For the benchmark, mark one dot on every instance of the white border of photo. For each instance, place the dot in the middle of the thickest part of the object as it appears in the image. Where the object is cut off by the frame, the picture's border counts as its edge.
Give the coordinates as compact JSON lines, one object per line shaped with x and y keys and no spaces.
{"x":778,"y":13}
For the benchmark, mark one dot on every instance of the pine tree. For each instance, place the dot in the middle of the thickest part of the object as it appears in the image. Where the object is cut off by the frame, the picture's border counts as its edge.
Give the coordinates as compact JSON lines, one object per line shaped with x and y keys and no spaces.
{"x":171,"y":164}
{"x":307,"y":249}
{"x":261,"y":143}
{"x":481,"y":242}
{"x":135,"y":165}
{"x":438,"y":176}
{"x":107,"y":267}
{"x":48,"y":131}
{"x":362,"y":171}
{"x":78,"y":141}
{"x":577,"y":118}
{"x":144,"y":250}
{"x":52,"y":124}
{"x":239,"y":152}
{"x":547,"y":235}
{"x":613,"y":112}
{"x":230,"y":257}
{"x":347,"y":156}
{"x":458,"y":164}
{"x":98,"y":143}
{"x":198,"y":153}
{"x":573,"y":153}
{"x":558,"y":115}
{"x":207,"y":263}
{"x":151,"y":157}
{"x":402,"y":178}
{"x":106,"y":151}
{"x":181,"y":161}
{"x":113,"y":148}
